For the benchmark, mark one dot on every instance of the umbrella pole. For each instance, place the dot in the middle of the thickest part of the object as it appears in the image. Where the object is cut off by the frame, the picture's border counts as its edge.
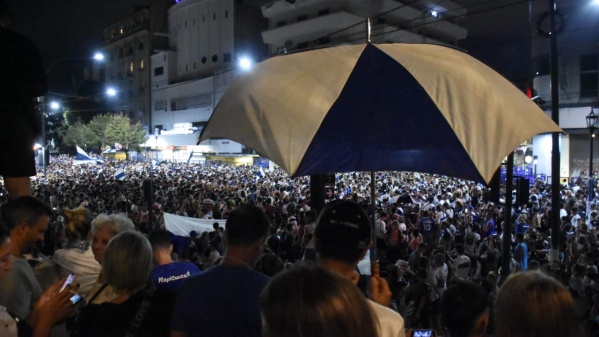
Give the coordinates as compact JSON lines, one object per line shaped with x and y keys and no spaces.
{"x":506,"y":243}
{"x":373,"y":256}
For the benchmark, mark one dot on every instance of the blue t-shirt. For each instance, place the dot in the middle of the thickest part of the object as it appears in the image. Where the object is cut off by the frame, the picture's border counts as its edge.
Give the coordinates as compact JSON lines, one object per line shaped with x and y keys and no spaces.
{"x":490,"y":230}
{"x":221,"y":301}
{"x":426,"y":225}
{"x":172,"y":275}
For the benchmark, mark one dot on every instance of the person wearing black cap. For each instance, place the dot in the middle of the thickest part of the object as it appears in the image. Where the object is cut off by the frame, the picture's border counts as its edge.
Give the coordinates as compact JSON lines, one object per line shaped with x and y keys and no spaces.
{"x":342,"y":237}
{"x":22,"y":78}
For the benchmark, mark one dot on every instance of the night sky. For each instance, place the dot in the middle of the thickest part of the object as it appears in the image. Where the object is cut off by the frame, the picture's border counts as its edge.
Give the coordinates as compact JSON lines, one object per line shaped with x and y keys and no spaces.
{"x":67,"y":28}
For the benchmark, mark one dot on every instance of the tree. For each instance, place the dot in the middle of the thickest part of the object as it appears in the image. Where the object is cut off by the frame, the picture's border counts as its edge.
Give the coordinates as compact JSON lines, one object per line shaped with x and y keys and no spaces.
{"x":75,"y":134}
{"x":105,"y":130}
{"x":120,"y":130}
{"x":96,"y":132}
{"x":69,"y":117}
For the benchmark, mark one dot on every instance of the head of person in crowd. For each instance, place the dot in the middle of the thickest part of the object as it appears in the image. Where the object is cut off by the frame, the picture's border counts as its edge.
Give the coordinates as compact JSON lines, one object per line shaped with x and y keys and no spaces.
{"x":26,"y":218}
{"x":5,"y":249}
{"x":104,"y":228}
{"x":472,"y":318}
{"x":533,"y":304}
{"x":343,"y":233}
{"x":78,"y":223}
{"x":308,"y":300}
{"x":128,"y":262}
{"x":270,"y":265}
{"x":246,"y":230}
{"x":162,"y":246}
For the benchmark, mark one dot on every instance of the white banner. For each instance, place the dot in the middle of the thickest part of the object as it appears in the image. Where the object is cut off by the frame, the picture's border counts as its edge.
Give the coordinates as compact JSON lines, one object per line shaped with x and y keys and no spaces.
{"x":182,"y":225}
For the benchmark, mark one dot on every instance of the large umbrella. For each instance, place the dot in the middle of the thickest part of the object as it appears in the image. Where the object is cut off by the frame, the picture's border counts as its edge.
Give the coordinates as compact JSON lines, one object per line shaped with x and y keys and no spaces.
{"x":400,"y":107}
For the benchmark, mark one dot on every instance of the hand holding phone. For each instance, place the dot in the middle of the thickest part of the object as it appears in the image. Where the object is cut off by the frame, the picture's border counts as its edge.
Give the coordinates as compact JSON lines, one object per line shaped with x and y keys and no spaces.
{"x":76,"y":298}
{"x":67,"y":282}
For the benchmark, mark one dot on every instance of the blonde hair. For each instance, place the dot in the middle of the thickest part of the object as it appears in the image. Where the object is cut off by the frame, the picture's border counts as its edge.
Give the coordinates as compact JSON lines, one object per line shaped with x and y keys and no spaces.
{"x":78,"y":223}
{"x":532,"y":304}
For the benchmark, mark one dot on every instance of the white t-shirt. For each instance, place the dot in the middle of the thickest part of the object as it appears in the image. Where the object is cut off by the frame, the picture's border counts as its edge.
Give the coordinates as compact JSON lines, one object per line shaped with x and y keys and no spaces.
{"x":380,"y":229}
{"x":8,"y":326}
{"x":461,"y":264}
{"x":82,"y":264}
{"x":391,"y":324}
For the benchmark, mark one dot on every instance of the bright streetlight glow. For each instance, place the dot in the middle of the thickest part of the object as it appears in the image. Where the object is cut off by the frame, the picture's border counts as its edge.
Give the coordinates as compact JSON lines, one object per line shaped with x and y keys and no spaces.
{"x":54,"y":105}
{"x":99,"y":56}
{"x":245,"y":63}
{"x":435,"y":14}
{"x":111,"y":92}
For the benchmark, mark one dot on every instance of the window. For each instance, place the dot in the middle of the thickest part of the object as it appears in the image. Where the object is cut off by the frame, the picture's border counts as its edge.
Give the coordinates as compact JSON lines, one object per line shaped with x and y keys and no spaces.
{"x":226,"y":14}
{"x":302,"y":17}
{"x":141,"y":64}
{"x":158,"y":71}
{"x":160,"y":105}
{"x":204,"y":60}
{"x":227,"y":57}
{"x":131,"y":67}
{"x":281,"y":23}
{"x":589,"y":76}
{"x":214,"y":58}
{"x":141,"y":46}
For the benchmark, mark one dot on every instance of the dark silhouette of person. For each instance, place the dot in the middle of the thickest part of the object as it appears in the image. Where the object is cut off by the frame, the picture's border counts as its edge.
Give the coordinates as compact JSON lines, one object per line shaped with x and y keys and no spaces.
{"x":22,"y":79}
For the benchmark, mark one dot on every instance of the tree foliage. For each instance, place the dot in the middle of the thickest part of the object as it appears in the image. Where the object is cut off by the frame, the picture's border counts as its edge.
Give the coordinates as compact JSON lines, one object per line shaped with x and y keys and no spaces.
{"x":75,"y":135}
{"x":105,"y":130}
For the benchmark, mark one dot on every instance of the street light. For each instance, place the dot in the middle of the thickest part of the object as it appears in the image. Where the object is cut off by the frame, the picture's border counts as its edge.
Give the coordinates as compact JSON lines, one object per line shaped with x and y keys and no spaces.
{"x":54,"y":106}
{"x":98,"y":56}
{"x":591,"y":125}
{"x":246,"y":63}
{"x":111,"y":92}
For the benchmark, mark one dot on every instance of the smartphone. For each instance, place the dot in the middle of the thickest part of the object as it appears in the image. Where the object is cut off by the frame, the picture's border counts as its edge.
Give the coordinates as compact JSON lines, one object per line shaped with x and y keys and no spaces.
{"x":422,"y":333}
{"x":68,"y":281}
{"x":76,"y":299}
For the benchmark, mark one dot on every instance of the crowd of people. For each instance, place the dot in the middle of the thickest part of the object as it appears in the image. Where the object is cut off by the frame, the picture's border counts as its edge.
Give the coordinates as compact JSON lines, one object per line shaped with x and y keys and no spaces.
{"x":431,"y":234}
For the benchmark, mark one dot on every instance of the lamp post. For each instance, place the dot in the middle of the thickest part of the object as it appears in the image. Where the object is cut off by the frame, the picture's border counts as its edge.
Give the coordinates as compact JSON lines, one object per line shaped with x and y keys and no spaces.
{"x":98,"y":57}
{"x":53,"y":106}
{"x":591,"y":125}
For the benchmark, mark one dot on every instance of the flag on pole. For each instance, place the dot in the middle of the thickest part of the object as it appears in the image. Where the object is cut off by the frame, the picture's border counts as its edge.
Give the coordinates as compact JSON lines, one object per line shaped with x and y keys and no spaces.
{"x":120,"y":174}
{"x":83,"y":158}
{"x":260,"y":174}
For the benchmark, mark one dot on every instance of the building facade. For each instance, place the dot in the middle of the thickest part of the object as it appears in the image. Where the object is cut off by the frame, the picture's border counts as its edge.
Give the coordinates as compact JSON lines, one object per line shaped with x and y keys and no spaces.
{"x":171,"y":62}
{"x":208,"y":37}
{"x":577,"y":23}
{"x":309,"y":24}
